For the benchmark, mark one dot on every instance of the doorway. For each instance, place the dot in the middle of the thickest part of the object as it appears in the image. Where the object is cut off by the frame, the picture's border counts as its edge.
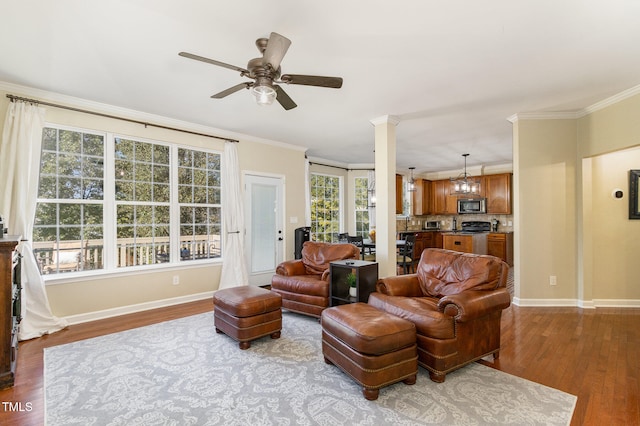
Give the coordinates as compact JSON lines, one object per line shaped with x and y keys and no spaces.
{"x":264,"y":239}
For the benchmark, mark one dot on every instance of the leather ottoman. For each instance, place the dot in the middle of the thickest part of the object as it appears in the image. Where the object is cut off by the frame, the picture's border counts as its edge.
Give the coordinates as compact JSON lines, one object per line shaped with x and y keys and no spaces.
{"x":247,"y":313}
{"x":375,"y":348}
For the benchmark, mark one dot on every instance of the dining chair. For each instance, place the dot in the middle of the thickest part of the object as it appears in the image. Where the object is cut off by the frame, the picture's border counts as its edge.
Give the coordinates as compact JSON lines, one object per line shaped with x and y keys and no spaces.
{"x":406,"y":256}
{"x":358,"y":241}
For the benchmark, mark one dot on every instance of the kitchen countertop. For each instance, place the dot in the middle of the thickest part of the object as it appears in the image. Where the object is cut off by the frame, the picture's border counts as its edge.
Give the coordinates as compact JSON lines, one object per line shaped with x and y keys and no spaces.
{"x":451,"y":231}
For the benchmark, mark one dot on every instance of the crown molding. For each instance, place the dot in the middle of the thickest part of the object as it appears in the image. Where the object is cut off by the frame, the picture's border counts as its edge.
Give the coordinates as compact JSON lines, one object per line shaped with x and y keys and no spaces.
{"x":573,"y":115}
{"x":551,"y":115}
{"x":391,"y":119}
{"x":611,"y":100}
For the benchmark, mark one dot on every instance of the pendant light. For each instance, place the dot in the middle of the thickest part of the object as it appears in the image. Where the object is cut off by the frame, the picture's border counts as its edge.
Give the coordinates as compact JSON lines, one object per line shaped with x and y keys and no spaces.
{"x":412,"y":181}
{"x":464,"y":184}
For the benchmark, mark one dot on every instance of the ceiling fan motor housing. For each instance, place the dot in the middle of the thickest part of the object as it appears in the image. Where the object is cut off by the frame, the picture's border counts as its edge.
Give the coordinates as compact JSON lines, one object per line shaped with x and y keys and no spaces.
{"x":258,"y":69}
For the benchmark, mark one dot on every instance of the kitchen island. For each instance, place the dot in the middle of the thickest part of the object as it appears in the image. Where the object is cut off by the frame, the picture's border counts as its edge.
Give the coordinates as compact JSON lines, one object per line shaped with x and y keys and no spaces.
{"x":467,"y":242}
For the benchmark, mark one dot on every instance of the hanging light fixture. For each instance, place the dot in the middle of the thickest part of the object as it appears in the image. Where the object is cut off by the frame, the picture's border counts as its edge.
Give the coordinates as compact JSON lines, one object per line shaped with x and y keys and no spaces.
{"x":412,"y":181}
{"x":263,"y":91}
{"x":464,"y":184}
{"x":372,"y":195}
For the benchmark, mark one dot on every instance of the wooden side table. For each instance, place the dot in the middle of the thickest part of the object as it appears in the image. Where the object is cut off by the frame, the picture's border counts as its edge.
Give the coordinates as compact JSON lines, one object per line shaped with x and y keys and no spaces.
{"x":366,"y":277}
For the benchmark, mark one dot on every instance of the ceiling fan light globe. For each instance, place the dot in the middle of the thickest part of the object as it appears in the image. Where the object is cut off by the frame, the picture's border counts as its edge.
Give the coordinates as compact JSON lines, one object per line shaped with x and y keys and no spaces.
{"x":265,"y":95}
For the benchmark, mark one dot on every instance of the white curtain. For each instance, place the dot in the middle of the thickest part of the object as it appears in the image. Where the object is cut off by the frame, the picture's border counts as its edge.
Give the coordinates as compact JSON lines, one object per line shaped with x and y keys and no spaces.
{"x":234,"y":266}
{"x":19,"y":173}
{"x":307,"y":193}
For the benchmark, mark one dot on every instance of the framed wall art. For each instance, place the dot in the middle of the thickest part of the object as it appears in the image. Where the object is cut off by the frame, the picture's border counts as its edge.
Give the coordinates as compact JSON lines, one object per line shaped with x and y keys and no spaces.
{"x":634,"y":202}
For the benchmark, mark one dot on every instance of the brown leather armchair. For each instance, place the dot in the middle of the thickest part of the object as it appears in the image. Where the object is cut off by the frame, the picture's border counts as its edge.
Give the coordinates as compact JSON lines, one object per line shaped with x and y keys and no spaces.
{"x":455,"y":301}
{"x":304,"y":283}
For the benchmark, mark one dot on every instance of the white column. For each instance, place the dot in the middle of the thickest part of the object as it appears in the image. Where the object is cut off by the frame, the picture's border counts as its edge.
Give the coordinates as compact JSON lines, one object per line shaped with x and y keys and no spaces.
{"x":385,"y":164}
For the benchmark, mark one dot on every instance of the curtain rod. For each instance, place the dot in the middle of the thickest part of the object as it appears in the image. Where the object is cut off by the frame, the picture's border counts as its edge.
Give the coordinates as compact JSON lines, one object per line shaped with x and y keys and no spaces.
{"x":145,"y":124}
{"x":336,"y":167}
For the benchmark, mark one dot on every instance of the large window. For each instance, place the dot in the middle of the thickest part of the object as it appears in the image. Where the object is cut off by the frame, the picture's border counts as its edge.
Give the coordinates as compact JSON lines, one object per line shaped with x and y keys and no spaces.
{"x":325,"y":208}
{"x":362,"y":206}
{"x":148,"y":203}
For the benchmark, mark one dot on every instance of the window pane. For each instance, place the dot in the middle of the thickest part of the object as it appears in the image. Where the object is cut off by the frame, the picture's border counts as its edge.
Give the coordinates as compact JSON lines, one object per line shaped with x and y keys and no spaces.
{"x":143,"y":152}
{"x":49,"y":139}
{"x":143,"y":172}
{"x":124,"y":149}
{"x":199,"y":180}
{"x":69,"y":141}
{"x":69,"y":165}
{"x":325,"y":208}
{"x":48,"y":187}
{"x":362,"y":207}
{"x":92,"y":190}
{"x":93,"y":145}
{"x":185,"y":194}
{"x":160,"y":174}
{"x":161,"y":154}
{"x":161,"y":193}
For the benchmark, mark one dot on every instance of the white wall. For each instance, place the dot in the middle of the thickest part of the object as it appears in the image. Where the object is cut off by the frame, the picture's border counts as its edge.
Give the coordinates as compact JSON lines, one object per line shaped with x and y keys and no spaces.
{"x":566,"y":222}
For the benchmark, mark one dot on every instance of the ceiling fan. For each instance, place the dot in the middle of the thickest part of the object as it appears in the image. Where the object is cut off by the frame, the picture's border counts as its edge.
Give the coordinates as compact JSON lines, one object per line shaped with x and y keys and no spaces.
{"x":265,"y":72}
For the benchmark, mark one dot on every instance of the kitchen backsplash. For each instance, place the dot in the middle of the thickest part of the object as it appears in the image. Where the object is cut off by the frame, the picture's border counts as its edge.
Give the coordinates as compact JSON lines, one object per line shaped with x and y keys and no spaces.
{"x":417,"y":223}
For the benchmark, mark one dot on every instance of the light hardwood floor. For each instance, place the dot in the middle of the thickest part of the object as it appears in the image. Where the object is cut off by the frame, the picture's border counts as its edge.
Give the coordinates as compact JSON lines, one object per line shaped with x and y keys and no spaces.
{"x":594,"y":354}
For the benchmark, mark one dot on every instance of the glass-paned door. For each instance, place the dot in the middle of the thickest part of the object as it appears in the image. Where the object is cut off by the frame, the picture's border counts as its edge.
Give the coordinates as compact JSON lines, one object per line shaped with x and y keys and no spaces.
{"x":263,"y":216}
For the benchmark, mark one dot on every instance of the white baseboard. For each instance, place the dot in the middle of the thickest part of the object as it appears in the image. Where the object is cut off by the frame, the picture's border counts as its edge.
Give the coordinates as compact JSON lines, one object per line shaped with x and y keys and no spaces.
{"x":584,"y":304}
{"x":139,"y":307}
{"x":545,"y":302}
{"x":617,"y":303}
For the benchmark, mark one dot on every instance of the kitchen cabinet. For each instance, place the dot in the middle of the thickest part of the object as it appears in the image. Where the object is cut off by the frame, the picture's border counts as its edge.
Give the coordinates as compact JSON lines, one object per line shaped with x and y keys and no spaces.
{"x":443,"y":202}
{"x":421,"y":197}
{"x":497,"y":189}
{"x":424,"y":239}
{"x":399,"y":206}
{"x":467,"y":243}
{"x":501,"y":245}
{"x":437,"y":240}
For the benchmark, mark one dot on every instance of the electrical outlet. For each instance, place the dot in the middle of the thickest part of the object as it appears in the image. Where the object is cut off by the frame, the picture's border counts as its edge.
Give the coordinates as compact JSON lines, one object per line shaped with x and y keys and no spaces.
{"x":553,"y":280}
{"x":176,"y":279}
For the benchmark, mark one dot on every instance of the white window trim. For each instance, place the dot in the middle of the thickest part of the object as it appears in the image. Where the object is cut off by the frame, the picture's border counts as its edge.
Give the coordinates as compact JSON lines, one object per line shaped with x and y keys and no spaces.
{"x":109,"y":210}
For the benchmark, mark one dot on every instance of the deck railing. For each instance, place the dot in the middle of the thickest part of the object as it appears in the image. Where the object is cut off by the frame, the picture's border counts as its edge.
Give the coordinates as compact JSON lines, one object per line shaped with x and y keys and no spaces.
{"x":71,"y":256}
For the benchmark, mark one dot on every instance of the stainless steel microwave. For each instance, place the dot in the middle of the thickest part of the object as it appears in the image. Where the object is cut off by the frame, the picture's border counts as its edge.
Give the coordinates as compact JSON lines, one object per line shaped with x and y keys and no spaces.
{"x":472,"y":205}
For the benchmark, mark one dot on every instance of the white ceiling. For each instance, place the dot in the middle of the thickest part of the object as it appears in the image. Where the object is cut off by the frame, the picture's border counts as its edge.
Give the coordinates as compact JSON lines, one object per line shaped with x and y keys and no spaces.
{"x":452,"y":71}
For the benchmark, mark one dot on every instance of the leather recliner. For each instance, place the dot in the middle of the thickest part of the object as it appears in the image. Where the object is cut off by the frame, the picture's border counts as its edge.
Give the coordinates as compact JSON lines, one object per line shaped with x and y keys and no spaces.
{"x":304,"y":283}
{"x":455,"y":301}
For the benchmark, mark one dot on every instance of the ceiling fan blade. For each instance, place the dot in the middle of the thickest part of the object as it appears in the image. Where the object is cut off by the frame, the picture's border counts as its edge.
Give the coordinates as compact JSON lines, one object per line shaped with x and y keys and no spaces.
{"x":233,"y":89}
{"x":284,"y":99}
{"x":213,"y":62}
{"x":277,"y":46}
{"x":312,"y":80}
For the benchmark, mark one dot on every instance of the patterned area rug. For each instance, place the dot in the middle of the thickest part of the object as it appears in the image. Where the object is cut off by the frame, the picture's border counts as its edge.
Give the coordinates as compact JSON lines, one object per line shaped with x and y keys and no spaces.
{"x":182,"y":372}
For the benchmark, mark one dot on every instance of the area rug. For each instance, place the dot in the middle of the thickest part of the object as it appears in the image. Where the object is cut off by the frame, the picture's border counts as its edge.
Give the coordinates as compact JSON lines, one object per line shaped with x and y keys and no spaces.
{"x":182,"y":372}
